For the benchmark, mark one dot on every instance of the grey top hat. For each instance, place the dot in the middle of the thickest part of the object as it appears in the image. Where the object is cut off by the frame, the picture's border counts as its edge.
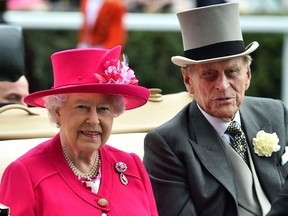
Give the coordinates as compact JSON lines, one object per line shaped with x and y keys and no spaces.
{"x":211,"y":33}
{"x":12,"y":63}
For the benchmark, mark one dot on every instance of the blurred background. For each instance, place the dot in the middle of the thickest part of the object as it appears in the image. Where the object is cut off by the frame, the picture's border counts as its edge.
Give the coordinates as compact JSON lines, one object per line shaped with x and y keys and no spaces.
{"x":153,"y":37}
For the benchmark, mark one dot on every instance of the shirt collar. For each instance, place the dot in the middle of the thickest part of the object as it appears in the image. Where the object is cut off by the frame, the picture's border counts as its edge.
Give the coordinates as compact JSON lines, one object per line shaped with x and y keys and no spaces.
{"x":219,"y":124}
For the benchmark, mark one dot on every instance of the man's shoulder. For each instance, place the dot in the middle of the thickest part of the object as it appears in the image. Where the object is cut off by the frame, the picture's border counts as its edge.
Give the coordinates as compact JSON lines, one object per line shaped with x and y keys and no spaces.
{"x":253,"y":101}
{"x":177,"y":117}
{"x":263,"y":107}
{"x":177,"y":124}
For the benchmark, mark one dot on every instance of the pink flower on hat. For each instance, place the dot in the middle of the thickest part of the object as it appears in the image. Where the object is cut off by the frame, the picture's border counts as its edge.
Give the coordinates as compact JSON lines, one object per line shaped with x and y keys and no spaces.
{"x":118,"y":72}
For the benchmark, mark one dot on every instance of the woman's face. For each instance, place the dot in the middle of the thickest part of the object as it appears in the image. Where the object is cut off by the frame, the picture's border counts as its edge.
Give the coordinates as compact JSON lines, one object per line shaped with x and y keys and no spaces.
{"x":85,"y":121}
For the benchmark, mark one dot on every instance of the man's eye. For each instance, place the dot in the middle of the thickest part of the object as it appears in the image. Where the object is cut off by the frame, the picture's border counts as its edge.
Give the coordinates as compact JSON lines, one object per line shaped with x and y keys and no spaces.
{"x":232,"y":72}
{"x":14,"y":98}
{"x":208,"y":74}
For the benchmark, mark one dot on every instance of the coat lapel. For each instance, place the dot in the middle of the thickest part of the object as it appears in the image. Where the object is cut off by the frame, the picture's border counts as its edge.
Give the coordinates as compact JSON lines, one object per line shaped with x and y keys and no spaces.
{"x":209,"y":148}
{"x":251,"y":126}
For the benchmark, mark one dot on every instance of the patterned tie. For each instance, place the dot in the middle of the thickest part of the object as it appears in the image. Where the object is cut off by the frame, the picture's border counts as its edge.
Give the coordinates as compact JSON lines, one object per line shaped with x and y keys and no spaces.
{"x":239,"y":143}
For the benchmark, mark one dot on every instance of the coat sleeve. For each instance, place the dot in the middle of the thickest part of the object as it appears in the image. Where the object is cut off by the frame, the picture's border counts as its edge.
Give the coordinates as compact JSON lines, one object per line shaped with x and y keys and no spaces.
{"x":147,"y":185}
{"x":279,"y":207}
{"x":16,"y":190}
{"x":168,"y":176}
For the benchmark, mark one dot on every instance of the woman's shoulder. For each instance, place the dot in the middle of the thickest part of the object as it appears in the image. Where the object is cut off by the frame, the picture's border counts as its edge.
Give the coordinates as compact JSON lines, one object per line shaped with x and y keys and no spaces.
{"x":119,"y":159}
{"x":115,"y":155}
{"x":35,"y":152}
{"x":32,"y":162}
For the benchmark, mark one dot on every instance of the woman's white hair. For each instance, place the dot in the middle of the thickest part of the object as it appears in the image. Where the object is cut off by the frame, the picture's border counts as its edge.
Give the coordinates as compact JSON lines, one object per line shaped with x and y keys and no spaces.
{"x":53,"y":102}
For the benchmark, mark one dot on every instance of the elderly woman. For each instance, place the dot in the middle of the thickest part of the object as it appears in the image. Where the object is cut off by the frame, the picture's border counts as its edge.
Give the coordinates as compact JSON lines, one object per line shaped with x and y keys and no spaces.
{"x":75,"y":173}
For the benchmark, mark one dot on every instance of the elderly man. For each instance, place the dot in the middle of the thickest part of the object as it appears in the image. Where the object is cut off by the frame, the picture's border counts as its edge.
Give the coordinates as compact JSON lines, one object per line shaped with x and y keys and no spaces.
{"x":13,"y":83}
{"x":224,"y":153}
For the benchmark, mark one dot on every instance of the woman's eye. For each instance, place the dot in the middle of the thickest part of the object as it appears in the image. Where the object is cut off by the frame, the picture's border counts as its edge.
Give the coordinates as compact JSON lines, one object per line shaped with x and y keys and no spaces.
{"x":103,"y":110}
{"x":82,"y":107}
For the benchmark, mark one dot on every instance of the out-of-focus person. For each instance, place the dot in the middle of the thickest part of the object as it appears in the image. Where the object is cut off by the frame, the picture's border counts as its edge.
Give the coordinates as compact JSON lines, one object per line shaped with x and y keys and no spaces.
{"x":75,"y":172}
{"x":3,"y":8}
{"x":103,"y":24}
{"x":202,"y":3}
{"x":13,"y":92}
{"x":13,"y":83}
{"x":161,"y":6}
{"x":28,"y":4}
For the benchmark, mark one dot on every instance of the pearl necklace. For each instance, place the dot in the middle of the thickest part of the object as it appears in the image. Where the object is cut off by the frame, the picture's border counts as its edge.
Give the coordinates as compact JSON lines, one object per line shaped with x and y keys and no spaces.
{"x":91,"y":174}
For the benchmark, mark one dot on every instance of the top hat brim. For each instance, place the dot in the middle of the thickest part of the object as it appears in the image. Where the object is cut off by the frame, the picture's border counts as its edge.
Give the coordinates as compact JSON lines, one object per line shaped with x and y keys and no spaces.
{"x":184,"y":61}
{"x":12,"y":63}
{"x":134,"y":96}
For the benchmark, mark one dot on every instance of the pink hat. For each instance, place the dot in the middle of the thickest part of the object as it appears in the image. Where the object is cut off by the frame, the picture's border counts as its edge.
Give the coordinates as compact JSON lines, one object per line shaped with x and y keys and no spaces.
{"x":92,"y":70}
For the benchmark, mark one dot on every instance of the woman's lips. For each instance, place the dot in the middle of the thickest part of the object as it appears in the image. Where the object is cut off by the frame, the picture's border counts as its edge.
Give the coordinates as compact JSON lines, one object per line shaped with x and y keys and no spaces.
{"x":92,"y":134}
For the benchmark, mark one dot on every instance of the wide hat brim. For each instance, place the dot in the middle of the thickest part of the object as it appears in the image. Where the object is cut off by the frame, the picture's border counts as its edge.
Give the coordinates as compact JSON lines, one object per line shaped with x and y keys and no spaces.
{"x":184,"y":61}
{"x":134,"y":96}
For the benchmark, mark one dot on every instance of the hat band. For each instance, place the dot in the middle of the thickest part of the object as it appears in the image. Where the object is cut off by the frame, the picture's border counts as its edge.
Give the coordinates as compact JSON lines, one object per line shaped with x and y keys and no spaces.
{"x":216,"y":50}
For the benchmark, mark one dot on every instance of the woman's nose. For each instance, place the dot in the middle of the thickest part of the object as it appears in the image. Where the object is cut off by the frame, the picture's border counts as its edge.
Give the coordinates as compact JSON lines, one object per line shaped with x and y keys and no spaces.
{"x":93,"y":118}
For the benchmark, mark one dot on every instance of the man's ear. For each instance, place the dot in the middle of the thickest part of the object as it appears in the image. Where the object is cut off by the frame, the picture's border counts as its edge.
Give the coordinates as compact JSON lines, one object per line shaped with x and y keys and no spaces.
{"x":187,"y":80}
{"x":248,"y":79}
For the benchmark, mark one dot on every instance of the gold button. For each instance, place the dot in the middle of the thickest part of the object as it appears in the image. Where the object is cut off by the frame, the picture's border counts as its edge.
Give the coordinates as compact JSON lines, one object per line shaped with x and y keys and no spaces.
{"x":155,"y":95}
{"x":155,"y":90}
{"x":102,"y":202}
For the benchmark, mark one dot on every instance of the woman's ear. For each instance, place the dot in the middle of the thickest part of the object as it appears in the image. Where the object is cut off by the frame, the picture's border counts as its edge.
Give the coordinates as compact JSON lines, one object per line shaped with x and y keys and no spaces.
{"x":57,"y":115}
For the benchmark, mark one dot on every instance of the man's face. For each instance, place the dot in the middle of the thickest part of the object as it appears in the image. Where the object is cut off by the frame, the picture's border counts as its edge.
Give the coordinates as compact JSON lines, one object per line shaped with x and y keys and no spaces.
{"x":14,"y":92}
{"x":218,"y":87}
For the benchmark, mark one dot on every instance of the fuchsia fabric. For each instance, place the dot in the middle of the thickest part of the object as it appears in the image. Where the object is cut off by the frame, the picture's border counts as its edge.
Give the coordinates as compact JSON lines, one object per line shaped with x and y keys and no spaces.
{"x":41,"y":183}
{"x":92,"y":70}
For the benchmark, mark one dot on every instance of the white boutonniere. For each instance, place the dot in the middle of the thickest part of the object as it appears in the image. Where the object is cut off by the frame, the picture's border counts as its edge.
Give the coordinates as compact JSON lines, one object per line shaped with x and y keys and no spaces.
{"x":266,"y":143}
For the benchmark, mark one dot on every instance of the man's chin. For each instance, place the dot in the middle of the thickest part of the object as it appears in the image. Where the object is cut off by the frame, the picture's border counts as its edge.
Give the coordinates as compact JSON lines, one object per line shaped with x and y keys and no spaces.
{"x":225,"y":113}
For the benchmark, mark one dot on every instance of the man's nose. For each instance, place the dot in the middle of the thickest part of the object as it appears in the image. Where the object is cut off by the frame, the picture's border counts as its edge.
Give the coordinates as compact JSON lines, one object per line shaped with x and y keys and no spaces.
{"x":222,"y":82}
